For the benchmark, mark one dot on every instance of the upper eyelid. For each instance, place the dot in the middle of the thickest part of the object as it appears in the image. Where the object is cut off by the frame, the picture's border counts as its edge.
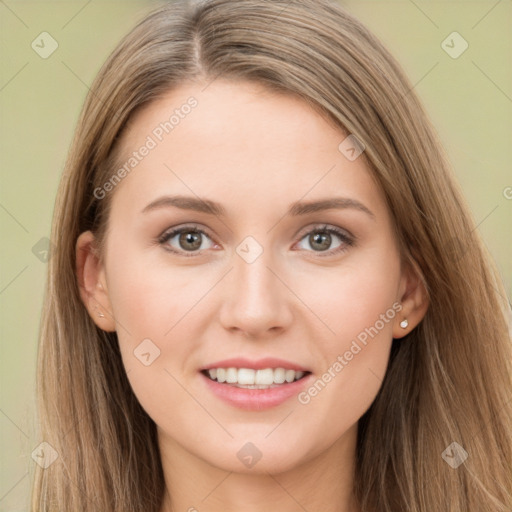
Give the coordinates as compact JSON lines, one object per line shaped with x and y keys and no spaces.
{"x":323,"y":227}
{"x":172,"y":232}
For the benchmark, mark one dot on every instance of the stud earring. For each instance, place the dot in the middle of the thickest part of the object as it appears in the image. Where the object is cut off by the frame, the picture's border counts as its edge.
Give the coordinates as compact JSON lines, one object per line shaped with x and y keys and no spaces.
{"x":404,"y":323}
{"x":100,"y":314}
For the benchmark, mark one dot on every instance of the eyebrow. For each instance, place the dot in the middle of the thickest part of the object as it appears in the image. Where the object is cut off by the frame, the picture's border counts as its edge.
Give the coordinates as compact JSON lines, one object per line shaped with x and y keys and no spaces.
{"x":296,"y":209}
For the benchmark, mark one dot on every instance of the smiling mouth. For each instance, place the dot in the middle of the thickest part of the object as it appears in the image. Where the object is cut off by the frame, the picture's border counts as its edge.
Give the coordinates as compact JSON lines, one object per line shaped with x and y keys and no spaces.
{"x":249,"y":378}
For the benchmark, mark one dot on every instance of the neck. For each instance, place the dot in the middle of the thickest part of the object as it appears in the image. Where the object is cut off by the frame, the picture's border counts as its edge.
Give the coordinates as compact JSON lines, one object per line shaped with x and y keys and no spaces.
{"x":323,"y":482}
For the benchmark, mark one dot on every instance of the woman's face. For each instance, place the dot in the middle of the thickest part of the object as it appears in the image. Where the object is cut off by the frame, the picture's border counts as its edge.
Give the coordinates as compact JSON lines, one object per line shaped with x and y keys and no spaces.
{"x":262,"y":273}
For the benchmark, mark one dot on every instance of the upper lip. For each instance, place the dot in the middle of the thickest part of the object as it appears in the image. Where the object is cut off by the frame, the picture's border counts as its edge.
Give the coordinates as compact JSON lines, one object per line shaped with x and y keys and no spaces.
{"x":259,"y":364}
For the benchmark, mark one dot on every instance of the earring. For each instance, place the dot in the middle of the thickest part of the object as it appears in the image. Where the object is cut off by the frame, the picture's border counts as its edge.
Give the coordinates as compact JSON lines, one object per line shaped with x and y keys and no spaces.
{"x":404,"y":323}
{"x":100,"y":314}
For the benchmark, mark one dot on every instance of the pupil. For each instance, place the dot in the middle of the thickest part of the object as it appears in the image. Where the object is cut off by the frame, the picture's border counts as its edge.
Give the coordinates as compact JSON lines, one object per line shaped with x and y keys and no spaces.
{"x":319,"y":238}
{"x":193,"y":238}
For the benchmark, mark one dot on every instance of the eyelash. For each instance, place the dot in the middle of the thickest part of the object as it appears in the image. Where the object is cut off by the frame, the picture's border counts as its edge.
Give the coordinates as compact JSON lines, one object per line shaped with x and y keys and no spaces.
{"x":347,"y":240}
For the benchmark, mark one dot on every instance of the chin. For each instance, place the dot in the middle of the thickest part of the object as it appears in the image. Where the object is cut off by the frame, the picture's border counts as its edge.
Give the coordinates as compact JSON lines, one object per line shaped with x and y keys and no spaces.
{"x":261,"y":456}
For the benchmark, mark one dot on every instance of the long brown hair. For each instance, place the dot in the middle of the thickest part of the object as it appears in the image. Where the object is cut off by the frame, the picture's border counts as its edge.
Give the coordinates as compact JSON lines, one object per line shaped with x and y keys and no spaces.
{"x":448,"y":381}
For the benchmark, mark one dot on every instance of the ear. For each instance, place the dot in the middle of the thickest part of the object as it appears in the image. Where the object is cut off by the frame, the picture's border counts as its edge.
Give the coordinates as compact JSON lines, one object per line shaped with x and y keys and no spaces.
{"x":92,"y":282}
{"x":413,"y":298}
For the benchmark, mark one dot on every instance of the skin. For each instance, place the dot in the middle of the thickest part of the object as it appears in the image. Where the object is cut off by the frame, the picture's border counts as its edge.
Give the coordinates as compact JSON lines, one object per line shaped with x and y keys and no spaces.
{"x":255,"y":152}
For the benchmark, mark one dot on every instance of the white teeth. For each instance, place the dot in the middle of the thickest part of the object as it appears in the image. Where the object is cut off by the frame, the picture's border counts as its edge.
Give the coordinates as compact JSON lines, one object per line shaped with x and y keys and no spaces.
{"x":279,"y":375}
{"x":254,"y":379}
{"x":231,"y":375}
{"x":265,"y":377}
{"x":246,"y":376}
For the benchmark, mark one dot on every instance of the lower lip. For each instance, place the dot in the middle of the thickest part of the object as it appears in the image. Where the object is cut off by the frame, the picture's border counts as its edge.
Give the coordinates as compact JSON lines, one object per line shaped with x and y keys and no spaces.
{"x":256,"y":399}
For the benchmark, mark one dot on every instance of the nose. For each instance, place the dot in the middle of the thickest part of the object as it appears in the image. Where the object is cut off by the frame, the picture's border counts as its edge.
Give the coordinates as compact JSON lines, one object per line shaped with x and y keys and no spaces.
{"x":257,"y":304}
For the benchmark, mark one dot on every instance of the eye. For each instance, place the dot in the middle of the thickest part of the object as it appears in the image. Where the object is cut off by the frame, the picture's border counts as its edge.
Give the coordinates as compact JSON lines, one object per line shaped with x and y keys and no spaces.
{"x":190,"y":239}
{"x":321,"y":239}
{"x":185,"y":239}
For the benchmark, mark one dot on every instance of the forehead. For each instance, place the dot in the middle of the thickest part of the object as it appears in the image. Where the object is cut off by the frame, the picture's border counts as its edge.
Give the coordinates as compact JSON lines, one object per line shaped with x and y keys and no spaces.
{"x":236,"y":142}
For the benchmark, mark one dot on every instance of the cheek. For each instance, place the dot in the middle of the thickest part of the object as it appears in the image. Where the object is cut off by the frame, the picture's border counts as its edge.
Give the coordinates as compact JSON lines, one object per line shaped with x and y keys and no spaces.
{"x":357,"y":298}
{"x":150,"y":305}
{"x":149,"y":299}
{"x":359,"y":305}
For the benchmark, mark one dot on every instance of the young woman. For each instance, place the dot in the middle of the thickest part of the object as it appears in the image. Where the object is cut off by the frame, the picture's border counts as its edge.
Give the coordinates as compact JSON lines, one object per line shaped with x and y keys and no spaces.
{"x":267,"y":292}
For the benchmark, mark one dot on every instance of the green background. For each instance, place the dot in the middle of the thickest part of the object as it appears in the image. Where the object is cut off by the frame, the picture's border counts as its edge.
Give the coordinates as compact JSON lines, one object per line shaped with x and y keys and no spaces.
{"x":468,"y":98}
